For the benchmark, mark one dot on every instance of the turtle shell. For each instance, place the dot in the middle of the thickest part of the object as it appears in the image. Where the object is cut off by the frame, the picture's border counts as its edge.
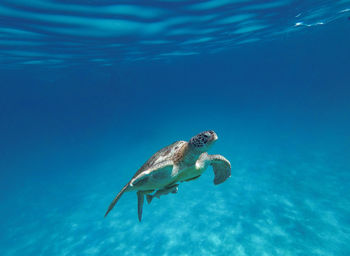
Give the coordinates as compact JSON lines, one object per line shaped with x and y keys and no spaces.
{"x":163,"y":155}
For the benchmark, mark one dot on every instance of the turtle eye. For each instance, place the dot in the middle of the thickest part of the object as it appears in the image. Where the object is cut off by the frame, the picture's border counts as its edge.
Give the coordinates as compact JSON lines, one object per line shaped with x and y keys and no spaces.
{"x":208,"y":134}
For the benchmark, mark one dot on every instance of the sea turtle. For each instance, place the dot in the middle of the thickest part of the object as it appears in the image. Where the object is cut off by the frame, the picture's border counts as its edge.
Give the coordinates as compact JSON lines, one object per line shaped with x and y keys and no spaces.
{"x":178,"y":162}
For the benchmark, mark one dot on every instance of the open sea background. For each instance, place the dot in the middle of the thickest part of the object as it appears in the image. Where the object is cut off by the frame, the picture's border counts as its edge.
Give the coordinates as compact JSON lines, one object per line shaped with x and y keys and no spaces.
{"x":89,"y":90}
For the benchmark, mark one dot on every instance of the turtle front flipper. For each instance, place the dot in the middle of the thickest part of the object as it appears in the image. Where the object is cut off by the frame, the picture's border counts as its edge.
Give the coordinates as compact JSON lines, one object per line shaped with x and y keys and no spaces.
{"x":140,"y":200}
{"x":117,"y":198}
{"x":221,"y":167}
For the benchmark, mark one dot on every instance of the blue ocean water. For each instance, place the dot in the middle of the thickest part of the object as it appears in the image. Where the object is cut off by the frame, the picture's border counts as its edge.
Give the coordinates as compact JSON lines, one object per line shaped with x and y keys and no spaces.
{"x":89,"y":90}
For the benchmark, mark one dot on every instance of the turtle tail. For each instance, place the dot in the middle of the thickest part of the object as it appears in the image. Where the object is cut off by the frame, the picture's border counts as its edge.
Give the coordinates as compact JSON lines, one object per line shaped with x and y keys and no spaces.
{"x":149,"y":198}
{"x":116,"y":199}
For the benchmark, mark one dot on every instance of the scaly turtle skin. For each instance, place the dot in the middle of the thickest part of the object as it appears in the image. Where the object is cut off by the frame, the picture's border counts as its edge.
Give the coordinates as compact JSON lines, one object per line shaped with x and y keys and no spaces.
{"x":178,"y":162}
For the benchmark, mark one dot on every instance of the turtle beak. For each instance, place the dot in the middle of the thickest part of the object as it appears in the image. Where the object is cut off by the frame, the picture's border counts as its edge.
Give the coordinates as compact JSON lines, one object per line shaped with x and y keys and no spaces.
{"x":215,"y":137}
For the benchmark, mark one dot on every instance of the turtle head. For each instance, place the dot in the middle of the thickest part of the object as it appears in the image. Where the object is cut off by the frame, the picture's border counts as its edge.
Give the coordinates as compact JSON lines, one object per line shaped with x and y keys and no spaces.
{"x":203,"y":141}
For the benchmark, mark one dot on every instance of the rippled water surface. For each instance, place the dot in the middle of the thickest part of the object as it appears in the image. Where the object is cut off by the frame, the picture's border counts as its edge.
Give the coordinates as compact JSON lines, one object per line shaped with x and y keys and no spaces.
{"x":66,"y":32}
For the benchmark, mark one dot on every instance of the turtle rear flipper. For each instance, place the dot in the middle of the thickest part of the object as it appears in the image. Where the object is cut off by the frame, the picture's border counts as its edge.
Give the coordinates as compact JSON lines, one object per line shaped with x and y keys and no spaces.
{"x":140,"y":200}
